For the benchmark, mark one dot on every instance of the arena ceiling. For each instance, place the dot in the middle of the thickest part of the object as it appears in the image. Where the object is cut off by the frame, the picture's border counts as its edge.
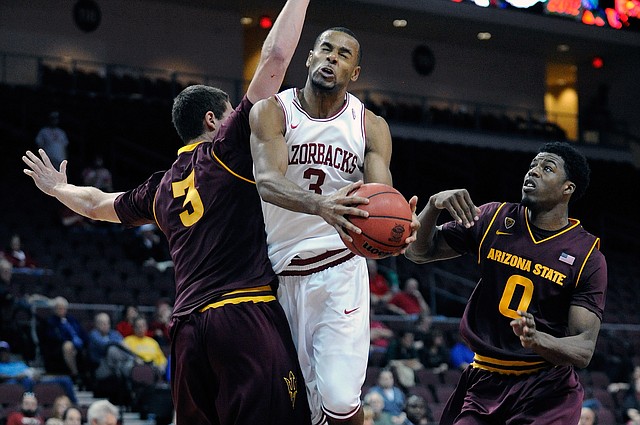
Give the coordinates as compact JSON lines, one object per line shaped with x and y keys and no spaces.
{"x":456,"y":24}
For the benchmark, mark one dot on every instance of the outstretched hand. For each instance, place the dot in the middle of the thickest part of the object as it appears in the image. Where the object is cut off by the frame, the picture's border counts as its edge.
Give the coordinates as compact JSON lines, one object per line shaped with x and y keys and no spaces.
{"x":459,"y":204}
{"x":42,"y":171}
{"x":333,"y":209}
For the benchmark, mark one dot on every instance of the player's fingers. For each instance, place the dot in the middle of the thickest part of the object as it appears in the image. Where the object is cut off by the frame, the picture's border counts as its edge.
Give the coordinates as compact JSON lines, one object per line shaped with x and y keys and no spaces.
{"x":413,"y":203}
{"x":63,"y":167}
{"x":472,"y":207}
{"x":350,"y":187}
{"x":352,"y":200}
{"x":45,"y":158}
{"x":344,"y":210}
{"x":32,"y":160}
{"x":28,"y":161}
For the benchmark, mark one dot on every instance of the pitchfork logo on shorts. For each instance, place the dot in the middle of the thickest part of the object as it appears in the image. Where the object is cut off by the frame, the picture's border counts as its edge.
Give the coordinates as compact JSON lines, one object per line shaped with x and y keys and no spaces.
{"x":292,"y":386}
{"x":396,"y":233}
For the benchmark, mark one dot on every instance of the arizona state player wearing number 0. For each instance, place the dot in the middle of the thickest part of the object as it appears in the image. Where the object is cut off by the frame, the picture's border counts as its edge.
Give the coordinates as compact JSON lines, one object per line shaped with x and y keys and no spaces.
{"x":311,"y":147}
{"x":535,"y":314}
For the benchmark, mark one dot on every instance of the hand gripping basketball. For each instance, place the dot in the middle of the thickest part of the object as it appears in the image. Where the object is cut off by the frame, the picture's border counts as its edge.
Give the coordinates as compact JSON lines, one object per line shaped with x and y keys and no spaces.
{"x":388,"y":225}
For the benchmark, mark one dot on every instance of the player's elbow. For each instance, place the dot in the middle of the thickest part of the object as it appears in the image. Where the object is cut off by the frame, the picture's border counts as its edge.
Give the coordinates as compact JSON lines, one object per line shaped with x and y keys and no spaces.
{"x":411,"y":255}
{"x":265,"y":188}
{"x":275,"y":57}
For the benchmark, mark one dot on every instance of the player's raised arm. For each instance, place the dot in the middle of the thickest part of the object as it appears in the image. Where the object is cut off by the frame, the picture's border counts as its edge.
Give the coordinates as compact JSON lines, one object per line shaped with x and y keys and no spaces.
{"x":85,"y":200}
{"x":270,"y":156}
{"x":277,"y":50}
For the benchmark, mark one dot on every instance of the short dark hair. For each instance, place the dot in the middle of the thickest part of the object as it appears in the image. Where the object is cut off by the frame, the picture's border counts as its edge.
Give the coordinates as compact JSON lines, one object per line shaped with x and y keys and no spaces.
{"x":576,"y":166}
{"x":346,"y":31}
{"x":190,"y":107}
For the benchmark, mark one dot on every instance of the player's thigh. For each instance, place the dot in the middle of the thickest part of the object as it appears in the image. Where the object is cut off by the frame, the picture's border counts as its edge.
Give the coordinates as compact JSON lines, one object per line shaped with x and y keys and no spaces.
{"x":255,"y":365}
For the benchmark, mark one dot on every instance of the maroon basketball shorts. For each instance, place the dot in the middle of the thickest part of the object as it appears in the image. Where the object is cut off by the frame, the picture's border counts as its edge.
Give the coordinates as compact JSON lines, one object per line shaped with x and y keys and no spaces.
{"x":549,"y":397}
{"x":236,"y":363}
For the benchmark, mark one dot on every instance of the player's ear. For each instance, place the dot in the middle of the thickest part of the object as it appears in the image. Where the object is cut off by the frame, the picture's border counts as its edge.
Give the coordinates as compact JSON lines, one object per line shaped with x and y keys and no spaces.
{"x":308,"y":62}
{"x":569,"y":187}
{"x":355,"y":74}
{"x":209,"y":121}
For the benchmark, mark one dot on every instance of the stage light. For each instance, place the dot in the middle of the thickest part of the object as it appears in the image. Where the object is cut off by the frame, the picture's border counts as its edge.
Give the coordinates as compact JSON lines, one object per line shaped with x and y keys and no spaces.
{"x":265,"y":22}
{"x":597,"y":62}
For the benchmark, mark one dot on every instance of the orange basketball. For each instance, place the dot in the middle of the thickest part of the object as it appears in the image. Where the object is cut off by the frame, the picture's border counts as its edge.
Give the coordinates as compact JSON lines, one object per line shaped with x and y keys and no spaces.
{"x":388,"y":225}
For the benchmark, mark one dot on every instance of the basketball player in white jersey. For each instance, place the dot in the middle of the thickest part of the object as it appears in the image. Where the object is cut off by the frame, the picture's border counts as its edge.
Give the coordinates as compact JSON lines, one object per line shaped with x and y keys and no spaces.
{"x":311,"y":147}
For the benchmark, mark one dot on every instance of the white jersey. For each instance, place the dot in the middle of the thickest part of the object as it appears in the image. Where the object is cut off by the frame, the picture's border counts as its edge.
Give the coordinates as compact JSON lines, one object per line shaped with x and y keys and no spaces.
{"x":324,"y":156}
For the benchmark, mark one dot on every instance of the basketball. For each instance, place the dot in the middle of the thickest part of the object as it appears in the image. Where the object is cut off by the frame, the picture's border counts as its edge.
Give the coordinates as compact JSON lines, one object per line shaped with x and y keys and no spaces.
{"x":388,"y":225}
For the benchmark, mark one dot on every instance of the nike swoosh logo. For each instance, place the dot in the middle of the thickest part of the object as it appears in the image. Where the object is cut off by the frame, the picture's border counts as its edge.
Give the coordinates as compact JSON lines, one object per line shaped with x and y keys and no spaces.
{"x":350,"y":311}
{"x":498,"y":232}
{"x":294,"y":126}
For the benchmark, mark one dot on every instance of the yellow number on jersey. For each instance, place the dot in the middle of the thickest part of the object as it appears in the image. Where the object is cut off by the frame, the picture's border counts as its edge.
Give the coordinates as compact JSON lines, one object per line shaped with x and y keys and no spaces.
{"x":510,"y":290}
{"x":187,"y":188}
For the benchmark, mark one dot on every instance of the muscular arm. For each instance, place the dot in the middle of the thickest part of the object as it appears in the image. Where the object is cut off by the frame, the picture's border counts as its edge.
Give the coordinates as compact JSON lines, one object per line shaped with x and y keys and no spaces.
{"x":84,"y":200}
{"x":378,"y":150}
{"x":277,"y":51}
{"x":575,"y":349}
{"x":270,"y":156}
{"x":430,"y":245}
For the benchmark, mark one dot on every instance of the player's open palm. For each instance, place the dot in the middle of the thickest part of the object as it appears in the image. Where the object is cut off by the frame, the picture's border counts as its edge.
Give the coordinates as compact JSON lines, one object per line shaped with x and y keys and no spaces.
{"x":42,"y":171}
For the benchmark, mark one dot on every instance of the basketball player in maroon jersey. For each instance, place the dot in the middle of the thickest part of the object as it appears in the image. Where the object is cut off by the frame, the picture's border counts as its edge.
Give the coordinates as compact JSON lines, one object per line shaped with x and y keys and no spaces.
{"x":535,"y":314}
{"x":232,"y":357}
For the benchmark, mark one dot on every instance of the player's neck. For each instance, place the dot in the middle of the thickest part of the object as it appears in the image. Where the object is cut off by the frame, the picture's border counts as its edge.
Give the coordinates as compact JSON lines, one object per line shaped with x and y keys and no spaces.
{"x":321,"y":104}
{"x":549,"y":220}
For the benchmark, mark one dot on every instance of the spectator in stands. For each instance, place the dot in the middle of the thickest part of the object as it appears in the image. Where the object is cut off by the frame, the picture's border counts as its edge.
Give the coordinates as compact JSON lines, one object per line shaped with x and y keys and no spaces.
{"x":29,"y":413}
{"x":66,"y":342}
{"x":125,"y":326}
{"x":97,"y":175}
{"x":588,"y":416}
{"x":403,"y":357}
{"x":435,"y":354}
{"x":460,"y":355}
{"x":53,"y":140}
{"x":15,"y":370}
{"x":149,"y":249}
{"x":418,"y":411}
{"x":16,"y":254}
{"x":378,"y":287}
{"x":72,"y":416}
{"x":409,"y":301}
{"x":159,"y":326}
{"x":633,"y":417}
{"x":393,"y":396}
{"x":367,"y":412}
{"x":7,"y":297}
{"x":100,"y":337}
{"x":145,"y":346}
{"x":631,"y":400}
{"x":102,"y":412}
{"x":380,"y":338}
{"x":375,"y":400}
{"x":60,"y":405}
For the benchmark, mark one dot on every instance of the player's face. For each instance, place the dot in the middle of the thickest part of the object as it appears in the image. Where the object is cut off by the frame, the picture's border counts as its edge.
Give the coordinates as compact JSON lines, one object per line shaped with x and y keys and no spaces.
{"x":333,"y":62}
{"x":545,"y":184}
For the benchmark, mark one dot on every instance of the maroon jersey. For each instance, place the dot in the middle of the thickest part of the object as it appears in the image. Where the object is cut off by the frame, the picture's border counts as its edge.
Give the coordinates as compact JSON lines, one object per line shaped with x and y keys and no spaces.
{"x":519,"y":271}
{"x":208,"y":207}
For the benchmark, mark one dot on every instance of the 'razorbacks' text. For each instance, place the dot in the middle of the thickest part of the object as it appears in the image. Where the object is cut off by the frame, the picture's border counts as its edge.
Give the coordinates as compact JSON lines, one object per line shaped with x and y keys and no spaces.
{"x":318,"y":153}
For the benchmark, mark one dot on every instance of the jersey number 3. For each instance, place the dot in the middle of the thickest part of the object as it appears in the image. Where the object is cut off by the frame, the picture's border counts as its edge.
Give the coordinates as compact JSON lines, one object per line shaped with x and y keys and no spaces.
{"x":193,"y":207}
